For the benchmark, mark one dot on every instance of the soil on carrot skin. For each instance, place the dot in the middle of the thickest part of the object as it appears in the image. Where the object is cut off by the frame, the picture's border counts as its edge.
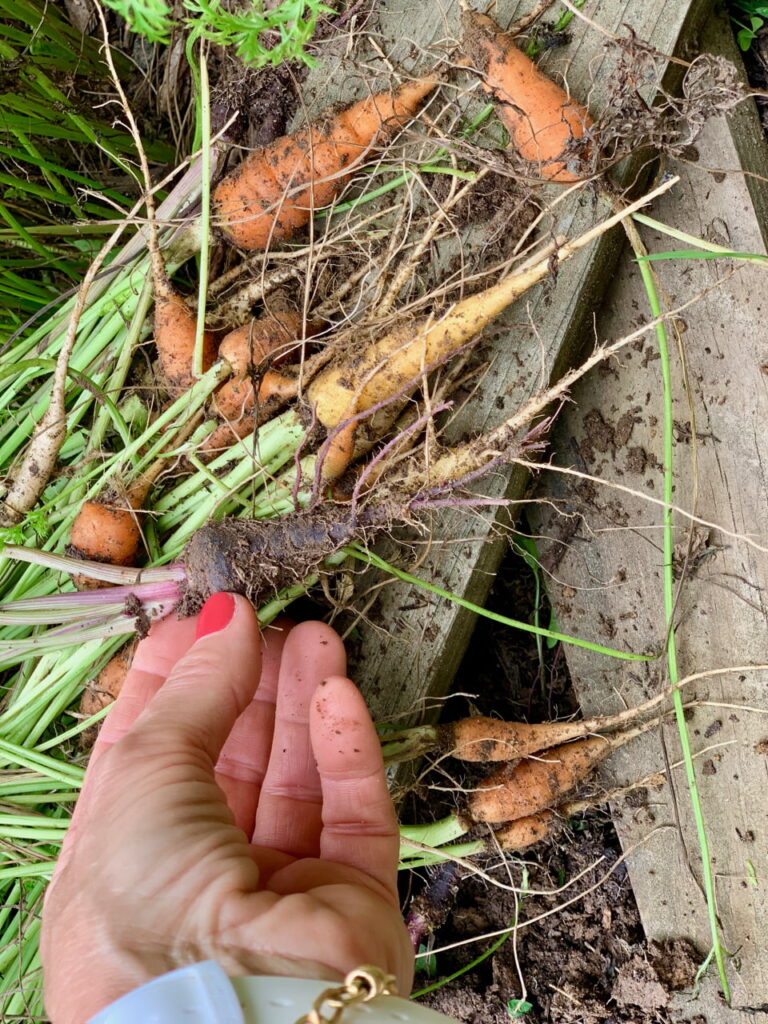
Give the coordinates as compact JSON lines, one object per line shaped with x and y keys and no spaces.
{"x":584,"y":963}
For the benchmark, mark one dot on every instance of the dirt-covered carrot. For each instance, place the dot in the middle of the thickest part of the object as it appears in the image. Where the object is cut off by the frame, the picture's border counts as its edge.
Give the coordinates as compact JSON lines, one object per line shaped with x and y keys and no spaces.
{"x":104,"y":690}
{"x":392,"y":366}
{"x":275,"y":190}
{"x":175,"y":327}
{"x":524,"y":832}
{"x":266,"y":338}
{"x":486,"y":740}
{"x":542,"y":119}
{"x":252,"y":557}
{"x":534,"y":785}
{"x":108,"y":529}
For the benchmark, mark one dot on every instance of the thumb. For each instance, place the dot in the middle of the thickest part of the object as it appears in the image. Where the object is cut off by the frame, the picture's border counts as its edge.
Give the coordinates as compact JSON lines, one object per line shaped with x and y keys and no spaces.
{"x":198,"y":705}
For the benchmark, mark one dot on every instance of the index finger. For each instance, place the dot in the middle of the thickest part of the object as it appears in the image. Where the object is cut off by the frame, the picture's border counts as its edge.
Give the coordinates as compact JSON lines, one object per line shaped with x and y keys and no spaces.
{"x":360,"y":826}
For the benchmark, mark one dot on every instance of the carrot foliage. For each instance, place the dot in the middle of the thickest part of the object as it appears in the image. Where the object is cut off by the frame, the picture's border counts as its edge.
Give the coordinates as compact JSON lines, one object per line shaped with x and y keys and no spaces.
{"x":260,"y":34}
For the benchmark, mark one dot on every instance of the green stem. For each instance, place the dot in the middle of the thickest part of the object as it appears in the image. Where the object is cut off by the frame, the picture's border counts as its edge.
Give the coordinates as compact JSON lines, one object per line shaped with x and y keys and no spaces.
{"x":446,"y":830}
{"x":669,"y":608}
{"x":379,"y":563}
{"x":123,"y":364}
{"x":426,"y":859}
{"x":681,"y":236}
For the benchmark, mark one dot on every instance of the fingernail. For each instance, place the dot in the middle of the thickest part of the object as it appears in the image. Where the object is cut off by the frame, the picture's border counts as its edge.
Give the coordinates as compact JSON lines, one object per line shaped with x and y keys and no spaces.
{"x":217,"y":613}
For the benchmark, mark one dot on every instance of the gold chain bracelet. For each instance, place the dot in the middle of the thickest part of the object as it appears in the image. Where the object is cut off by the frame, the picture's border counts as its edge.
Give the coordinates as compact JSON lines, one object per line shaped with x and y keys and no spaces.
{"x":360,"y":986}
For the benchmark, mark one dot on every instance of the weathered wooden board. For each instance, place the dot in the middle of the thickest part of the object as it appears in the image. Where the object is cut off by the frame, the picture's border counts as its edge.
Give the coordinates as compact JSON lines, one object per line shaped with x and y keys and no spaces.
{"x":605,"y":560}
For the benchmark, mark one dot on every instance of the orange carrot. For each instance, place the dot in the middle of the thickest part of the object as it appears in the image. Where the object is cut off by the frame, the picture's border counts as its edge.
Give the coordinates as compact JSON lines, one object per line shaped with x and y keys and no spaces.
{"x":483,"y":740}
{"x":175,"y":327}
{"x":534,"y":785}
{"x":524,"y":832}
{"x":276,"y":190}
{"x":542,"y":118}
{"x":489,"y":739}
{"x":266,"y":337}
{"x":225,"y":435}
{"x":107,"y":531}
{"x":104,"y":689}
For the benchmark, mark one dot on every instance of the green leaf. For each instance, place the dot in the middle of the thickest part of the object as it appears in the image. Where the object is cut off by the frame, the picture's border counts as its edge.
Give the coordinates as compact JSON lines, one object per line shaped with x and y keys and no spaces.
{"x":259,"y":36}
{"x":149,"y":18}
{"x":517,"y":1008}
{"x":426,"y":964}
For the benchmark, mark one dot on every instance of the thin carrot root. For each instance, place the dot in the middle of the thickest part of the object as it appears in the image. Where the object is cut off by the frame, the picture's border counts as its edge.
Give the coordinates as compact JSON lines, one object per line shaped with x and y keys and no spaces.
{"x":175,"y":330}
{"x":535,"y":785}
{"x":524,"y":832}
{"x":276,"y":190}
{"x":104,"y":690}
{"x":542,"y":119}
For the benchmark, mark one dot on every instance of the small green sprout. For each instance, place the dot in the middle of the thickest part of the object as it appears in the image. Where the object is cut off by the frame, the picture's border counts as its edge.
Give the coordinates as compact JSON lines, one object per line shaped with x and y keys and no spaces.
{"x":517,"y":1008}
{"x":756,"y":13}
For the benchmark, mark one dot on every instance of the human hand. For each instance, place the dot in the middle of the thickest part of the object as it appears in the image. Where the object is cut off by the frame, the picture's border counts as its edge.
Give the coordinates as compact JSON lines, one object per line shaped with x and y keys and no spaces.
{"x":221,"y":821}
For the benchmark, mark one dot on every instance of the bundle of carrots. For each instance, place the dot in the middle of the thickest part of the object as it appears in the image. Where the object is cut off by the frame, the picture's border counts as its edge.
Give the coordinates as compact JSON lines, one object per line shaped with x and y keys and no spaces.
{"x":274,"y":193}
{"x":267,"y":199}
{"x":526,"y":799}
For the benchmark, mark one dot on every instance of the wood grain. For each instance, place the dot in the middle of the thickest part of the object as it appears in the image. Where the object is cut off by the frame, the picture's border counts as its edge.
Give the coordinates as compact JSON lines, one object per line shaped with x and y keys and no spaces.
{"x":606,"y":576}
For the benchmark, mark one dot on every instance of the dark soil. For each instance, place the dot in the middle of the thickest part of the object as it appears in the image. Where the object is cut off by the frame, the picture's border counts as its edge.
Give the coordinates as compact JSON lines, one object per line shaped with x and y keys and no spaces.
{"x":587,"y":961}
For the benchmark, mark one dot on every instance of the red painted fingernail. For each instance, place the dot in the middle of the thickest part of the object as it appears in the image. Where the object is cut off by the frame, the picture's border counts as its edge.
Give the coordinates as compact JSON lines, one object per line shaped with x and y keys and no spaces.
{"x":217,"y":613}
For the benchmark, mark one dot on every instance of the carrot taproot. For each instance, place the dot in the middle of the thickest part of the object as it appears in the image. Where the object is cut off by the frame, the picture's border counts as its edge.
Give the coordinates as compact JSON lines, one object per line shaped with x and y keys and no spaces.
{"x":542,"y":119}
{"x":267,"y":337}
{"x":393,"y":366}
{"x":488,"y":740}
{"x":276,"y":190}
{"x":535,"y":784}
{"x":524,"y":832}
{"x":107,"y":530}
{"x":175,"y":328}
{"x":225,"y":435}
{"x":104,"y":690}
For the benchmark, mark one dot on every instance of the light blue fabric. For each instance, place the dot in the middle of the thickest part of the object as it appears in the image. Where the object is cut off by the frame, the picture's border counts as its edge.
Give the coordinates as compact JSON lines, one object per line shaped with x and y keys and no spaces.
{"x":203,"y":994}
{"x":198,"y":994}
